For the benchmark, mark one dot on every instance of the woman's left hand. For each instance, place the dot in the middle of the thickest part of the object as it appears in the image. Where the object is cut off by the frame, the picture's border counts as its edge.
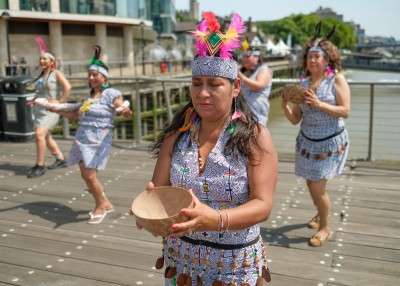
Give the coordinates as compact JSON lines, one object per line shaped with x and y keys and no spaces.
{"x":201,"y":218}
{"x":311,"y":98}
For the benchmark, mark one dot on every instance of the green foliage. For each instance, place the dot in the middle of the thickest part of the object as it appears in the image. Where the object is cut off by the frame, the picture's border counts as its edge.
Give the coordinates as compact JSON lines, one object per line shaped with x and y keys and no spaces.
{"x":302,"y":27}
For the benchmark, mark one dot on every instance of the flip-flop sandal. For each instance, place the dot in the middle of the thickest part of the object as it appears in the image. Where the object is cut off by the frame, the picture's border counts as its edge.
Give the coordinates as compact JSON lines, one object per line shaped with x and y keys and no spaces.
{"x":107,"y":211}
{"x":99,"y":217}
{"x":317,"y":241}
{"x":314,"y":222}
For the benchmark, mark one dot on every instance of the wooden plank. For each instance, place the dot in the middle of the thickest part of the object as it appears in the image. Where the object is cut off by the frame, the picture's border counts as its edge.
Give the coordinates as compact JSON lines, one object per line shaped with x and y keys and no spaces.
{"x":19,"y":275}
{"x":67,"y":265}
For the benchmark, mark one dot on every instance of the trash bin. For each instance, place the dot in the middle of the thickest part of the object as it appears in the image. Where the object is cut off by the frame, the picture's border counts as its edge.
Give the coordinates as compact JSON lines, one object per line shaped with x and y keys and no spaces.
{"x":17,"y":94}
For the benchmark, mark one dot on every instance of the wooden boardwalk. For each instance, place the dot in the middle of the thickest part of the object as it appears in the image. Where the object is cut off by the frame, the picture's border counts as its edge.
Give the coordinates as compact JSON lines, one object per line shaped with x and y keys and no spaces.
{"x":45,"y":240}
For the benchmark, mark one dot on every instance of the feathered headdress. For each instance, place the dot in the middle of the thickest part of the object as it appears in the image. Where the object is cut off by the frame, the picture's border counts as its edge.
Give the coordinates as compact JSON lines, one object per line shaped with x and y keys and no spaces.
{"x":42,"y":48}
{"x":316,"y":40}
{"x":95,"y":63}
{"x":210,"y":41}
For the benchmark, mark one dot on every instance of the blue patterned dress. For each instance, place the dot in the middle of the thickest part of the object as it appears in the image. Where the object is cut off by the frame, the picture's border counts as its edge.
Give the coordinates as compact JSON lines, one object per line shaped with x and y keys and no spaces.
{"x":223,"y":185}
{"x":319,"y":152}
{"x":94,"y":136}
{"x":49,"y":89}
{"x":258,"y":100}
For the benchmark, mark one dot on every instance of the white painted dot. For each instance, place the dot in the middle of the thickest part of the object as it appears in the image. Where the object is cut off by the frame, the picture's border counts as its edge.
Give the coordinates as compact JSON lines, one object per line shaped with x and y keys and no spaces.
{"x":338,"y":265}
{"x":150,"y":275}
{"x":49,"y":266}
{"x":139,"y":283}
{"x":322,"y":262}
{"x":340,"y":257}
{"x":110,"y":226}
{"x":94,"y":236}
{"x":101,"y":230}
{"x":60,"y":260}
{"x":274,"y":225}
{"x":84,"y":241}
{"x":11,"y":230}
{"x":320,"y":284}
{"x":289,"y":217}
{"x":334,"y":251}
{"x":4,"y":235}
{"x":74,"y":199}
{"x":68,"y":253}
{"x":79,"y":247}
{"x":331,"y":279}
{"x":31,"y":272}
{"x":336,"y":270}
{"x":30,"y":220}
{"x":15,"y":279}
{"x":269,"y":260}
{"x":327,"y":255}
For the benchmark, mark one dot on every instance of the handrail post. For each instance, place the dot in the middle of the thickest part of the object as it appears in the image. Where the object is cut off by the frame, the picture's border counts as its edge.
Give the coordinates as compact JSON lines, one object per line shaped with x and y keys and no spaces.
{"x":66,"y":133}
{"x":138,"y":115}
{"x":168,"y":101}
{"x":371,"y":121}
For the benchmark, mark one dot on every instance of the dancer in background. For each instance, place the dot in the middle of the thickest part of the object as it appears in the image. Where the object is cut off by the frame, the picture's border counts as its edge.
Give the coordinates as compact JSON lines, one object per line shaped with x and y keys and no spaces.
{"x":94,"y":136}
{"x":256,"y":81}
{"x":322,"y":143}
{"x":52,"y":85}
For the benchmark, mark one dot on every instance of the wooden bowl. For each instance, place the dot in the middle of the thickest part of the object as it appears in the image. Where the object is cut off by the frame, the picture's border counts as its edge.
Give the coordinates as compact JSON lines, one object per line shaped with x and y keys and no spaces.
{"x":157,"y":210}
{"x":294,"y":93}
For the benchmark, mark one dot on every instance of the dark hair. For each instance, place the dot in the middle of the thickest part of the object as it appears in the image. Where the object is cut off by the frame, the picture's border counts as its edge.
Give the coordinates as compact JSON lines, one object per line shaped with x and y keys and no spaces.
{"x":332,"y":55}
{"x":243,"y":138}
{"x":106,"y":84}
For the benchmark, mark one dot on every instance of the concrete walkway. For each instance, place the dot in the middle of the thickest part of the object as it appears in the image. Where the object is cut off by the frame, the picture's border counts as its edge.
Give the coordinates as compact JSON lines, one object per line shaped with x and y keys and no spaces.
{"x":45,"y":240}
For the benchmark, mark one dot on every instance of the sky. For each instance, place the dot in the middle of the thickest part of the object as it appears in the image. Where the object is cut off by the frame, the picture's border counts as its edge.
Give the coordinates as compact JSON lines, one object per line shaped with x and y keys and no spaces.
{"x":376,"y":17}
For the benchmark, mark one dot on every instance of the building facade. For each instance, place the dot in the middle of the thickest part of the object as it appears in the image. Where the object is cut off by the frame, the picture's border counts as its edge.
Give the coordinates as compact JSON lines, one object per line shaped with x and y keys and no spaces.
{"x":71,"y":27}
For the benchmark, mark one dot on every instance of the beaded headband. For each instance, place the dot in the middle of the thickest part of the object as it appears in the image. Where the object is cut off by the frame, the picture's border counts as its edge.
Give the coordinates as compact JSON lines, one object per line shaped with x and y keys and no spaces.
{"x":317,"y":49}
{"x":43,"y":50}
{"x":95,"y":64}
{"x":211,"y":42}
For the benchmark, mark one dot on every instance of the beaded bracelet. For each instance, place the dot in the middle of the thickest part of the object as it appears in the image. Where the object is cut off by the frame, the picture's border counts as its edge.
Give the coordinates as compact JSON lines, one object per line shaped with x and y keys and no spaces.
{"x":220,"y":221}
{"x":227,"y":220}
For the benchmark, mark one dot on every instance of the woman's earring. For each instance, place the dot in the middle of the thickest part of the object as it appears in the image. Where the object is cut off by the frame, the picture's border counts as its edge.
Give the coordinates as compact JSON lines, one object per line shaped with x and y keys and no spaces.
{"x":105,"y":84}
{"x":237,"y":114}
{"x":328,"y":71}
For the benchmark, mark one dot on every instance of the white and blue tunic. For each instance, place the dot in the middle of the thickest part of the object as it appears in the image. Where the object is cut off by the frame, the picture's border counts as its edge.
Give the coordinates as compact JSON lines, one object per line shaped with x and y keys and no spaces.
{"x":322,"y":143}
{"x":46,"y":88}
{"x":223,"y":185}
{"x":259,"y":100}
{"x":93,"y":138}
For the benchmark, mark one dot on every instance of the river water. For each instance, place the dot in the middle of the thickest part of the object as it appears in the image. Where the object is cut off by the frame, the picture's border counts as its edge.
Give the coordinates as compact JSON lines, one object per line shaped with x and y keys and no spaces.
{"x":385,"y":123}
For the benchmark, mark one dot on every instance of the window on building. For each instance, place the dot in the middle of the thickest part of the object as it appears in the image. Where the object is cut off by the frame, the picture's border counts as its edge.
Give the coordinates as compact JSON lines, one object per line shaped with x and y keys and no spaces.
{"x":35,"y":5}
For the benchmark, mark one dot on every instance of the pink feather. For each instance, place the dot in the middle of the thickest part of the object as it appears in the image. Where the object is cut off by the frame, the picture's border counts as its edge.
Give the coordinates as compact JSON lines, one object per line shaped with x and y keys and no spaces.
{"x":42,"y":45}
{"x":233,"y":43}
{"x":200,"y":44}
{"x":238,"y":24}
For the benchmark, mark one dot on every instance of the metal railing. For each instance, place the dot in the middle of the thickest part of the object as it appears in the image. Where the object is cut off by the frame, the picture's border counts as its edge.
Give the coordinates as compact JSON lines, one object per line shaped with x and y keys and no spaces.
{"x":155,"y":100}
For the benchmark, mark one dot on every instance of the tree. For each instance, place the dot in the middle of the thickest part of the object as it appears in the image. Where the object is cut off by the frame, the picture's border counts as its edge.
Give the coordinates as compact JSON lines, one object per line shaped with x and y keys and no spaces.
{"x":302,"y":27}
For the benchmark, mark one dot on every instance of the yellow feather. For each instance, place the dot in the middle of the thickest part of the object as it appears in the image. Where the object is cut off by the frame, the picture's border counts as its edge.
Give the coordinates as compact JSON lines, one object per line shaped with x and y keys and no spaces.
{"x":230,"y":34}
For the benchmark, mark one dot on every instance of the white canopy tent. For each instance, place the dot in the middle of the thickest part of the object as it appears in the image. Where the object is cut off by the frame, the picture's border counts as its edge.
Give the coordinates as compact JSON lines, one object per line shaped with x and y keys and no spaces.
{"x":281,"y":48}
